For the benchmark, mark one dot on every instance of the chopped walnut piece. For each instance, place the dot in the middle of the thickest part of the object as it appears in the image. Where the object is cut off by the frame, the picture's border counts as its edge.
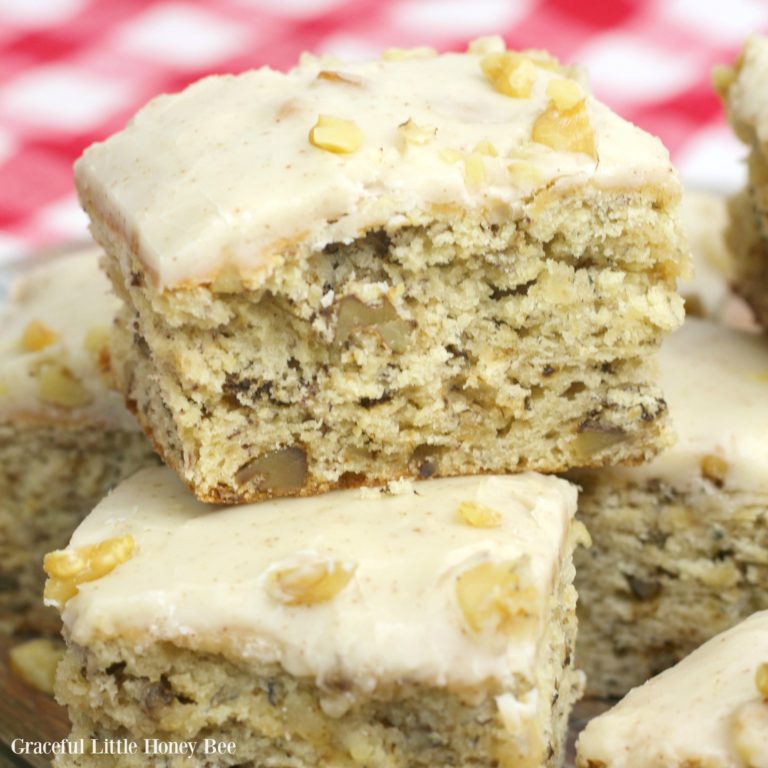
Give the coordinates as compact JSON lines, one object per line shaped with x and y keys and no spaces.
{"x":68,"y":568}
{"x":309,"y":583}
{"x":510,"y":73}
{"x":761,"y":680}
{"x":489,"y":44}
{"x":449,"y":155}
{"x":402,"y":54}
{"x":37,"y":336}
{"x":333,"y":76}
{"x":413,"y":133}
{"x":282,"y":470}
{"x":495,"y":597}
{"x":749,"y":729}
{"x":474,"y":170}
{"x":545,"y":60}
{"x":353,"y":314}
{"x":525,"y":174}
{"x":485,"y":147}
{"x":564,"y":93}
{"x":57,"y":385}
{"x":593,"y":440}
{"x":478,"y":516}
{"x":35,"y":661}
{"x":334,"y":134}
{"x":566,"y":129}
{"x":714,"y":468}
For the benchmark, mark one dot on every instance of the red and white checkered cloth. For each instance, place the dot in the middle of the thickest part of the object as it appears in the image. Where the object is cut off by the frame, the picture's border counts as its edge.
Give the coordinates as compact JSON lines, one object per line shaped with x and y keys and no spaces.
{"x":73,"y":71}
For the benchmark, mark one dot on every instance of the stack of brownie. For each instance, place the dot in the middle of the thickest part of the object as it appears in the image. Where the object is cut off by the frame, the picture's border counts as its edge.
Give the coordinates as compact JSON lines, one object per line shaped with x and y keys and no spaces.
{"x":365,"y":306}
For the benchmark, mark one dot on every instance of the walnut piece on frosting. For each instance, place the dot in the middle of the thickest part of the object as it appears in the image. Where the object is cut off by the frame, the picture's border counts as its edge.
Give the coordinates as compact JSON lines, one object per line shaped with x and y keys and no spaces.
{"x":749,"y":731}
{"x":478,"y":516}
{"x":413,"y":133}
{"x":474,"y":169}
{"x":564,"y":125}
{"x":334,"y":76}
{"x":37,"y":336}
{"x":485,"y":147}
{"x":67,"y":568}
{"x":334,"y":134}
{"x":510,"y":73}
{"x":564,"y":93}
{"x":485,"y":45}
{"x":309,"y":583}
{"x":494,"y":597}
{"x":57,"y":385}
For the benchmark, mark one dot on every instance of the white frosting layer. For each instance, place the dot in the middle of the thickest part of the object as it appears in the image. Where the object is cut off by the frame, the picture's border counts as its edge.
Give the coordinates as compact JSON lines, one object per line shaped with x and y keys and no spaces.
{"x":704,"y":711}
{"x":199,"y":576}
{"x":71,"y":297}
{"x":715,"y":381}
{"x":223,"y":172}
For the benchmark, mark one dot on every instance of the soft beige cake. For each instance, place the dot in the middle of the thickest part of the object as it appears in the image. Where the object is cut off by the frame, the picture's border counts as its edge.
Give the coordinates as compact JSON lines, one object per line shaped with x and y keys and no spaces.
{"x":358,"y":628}
{"x":711,"y":710}
{"x":744,"y":89}
{"x":65,"y":437}
{"x":414,"y":267}
{"x":680,"y":546}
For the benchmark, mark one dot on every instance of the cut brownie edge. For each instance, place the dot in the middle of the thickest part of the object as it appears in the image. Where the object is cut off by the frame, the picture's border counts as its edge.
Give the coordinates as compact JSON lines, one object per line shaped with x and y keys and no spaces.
{"x":344,"y":372}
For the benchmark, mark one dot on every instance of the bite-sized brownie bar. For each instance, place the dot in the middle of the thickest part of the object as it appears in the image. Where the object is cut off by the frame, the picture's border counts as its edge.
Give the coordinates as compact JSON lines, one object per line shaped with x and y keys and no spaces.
{"x":680,"y":546}
{"x":65,"y":437}
{"x":743,"y":89}
{"x":710,"y":710}
{"x":415,"y":267}
{"x":359,"y":628}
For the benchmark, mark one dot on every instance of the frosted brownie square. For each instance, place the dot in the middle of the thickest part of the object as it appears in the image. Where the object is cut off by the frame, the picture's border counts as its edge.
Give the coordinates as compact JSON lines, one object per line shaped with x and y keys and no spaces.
{"x":743,"y":88}
{"x":431,"y":627}
{"x":710,"y":710}
{"x":680,"y":546}
{"x":415,"y":267}
{"x":65,"y":437}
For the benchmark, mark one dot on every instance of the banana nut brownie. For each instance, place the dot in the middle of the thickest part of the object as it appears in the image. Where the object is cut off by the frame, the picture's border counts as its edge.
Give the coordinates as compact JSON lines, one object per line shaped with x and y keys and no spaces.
{"x":743,"y":90}
{"x":711,"y":710}
{"x":65,"y":438}
{"x":680,"y":546}
{"x":356,"y":628}
{"x":419,"y":266}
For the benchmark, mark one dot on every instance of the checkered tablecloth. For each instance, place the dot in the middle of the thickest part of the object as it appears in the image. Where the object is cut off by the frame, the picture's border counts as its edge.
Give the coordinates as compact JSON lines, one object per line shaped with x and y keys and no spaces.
{"x":73,"y":71}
